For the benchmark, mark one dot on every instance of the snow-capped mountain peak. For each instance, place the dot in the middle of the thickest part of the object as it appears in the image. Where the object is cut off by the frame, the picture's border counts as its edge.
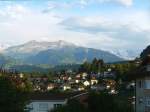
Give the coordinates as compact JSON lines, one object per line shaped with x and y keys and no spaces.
{"x":3,"y":47}
{"x":126,"y":54}
{"x":37,"y":46}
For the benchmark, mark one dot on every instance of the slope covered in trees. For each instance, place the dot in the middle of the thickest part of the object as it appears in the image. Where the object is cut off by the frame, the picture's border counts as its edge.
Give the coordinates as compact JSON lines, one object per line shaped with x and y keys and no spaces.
{"x":145,"y":52}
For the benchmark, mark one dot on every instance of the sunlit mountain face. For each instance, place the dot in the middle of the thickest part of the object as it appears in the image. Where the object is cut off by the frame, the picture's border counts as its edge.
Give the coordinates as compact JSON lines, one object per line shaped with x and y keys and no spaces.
{"x":34,"y":47}
{"x":55,"y":53}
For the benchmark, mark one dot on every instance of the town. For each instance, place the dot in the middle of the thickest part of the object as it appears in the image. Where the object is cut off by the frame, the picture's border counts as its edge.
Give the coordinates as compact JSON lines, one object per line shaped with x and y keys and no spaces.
{"x":54,"y":90}
{"x":74,"y":56}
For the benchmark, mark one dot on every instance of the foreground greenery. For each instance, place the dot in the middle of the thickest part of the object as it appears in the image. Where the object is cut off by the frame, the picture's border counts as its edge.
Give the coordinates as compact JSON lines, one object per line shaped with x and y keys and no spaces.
{"x":97,"y":102}
{"x":72,"y":106}
{"x":13,"y":97}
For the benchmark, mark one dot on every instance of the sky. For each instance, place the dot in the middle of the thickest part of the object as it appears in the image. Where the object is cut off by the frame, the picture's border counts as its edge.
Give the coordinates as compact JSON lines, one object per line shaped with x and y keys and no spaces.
{"x":100,"y":24}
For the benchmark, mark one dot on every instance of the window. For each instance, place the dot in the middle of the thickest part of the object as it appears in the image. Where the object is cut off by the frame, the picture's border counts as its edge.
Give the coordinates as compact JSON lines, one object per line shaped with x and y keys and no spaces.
{"x":148,"y":101}
{"x":140,"y":100}
{"x":141,"y":84}
{"x":57,"y":105}
{"x":148,"y":68}
{"x":29,"y":107}
{"x":43,"y":107}
{"x":147,"y":84}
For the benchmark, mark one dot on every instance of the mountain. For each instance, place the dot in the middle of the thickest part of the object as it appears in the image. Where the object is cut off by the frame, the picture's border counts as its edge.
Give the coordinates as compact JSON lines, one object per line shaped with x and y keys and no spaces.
{"x":126,"y":54}
{"x":4,"y":46}
{"x":29,"y":68}
{"x":70,"y":55}
{"x":55,"y":53}
{"x":33,"y":47}
{"x":3,"y":60}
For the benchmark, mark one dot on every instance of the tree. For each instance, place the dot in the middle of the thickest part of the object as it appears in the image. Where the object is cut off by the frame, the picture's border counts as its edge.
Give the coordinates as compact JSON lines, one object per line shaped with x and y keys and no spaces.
{"x":95,"y":66}
{"x":145,"y":52}
{"x":85,"y":67}
{"x":72,"y":106}
{"x":97,"y":102}
{"x":100,"y":102}
{"x":104,"y":102}
{"x":12,"y":98}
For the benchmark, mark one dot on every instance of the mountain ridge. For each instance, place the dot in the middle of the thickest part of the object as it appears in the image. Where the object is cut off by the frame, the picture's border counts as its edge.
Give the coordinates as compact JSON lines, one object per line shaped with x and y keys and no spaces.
{"x":33,"y":47}
{"x":55,"y":53}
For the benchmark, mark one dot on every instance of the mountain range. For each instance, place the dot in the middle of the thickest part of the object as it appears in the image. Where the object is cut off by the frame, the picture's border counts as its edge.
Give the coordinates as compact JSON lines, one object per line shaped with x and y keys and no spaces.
{"x":53,"y":53}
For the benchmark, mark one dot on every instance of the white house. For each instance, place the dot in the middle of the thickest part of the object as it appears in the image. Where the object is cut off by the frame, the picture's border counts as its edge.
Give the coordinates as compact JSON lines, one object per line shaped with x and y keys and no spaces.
{"x":44,"y":102}
{"x":86,"y":83}
{"x":66,"y":87}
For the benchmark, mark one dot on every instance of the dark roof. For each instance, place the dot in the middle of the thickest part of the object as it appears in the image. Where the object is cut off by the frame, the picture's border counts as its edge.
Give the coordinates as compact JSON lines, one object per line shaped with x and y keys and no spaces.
{"x":52,"y":96}
{"x":143,"y":70}
{"x":140,"y":72}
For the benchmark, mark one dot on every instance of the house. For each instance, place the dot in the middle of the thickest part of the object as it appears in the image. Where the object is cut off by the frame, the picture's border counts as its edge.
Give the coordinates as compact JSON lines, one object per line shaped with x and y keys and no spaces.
{"x":77,"y":80}
{"x":113,"y":91}
{"x":78,"y":76}
{"x":110,"y":83}
{"x":44,"y":102}
{"x":98,"y":87}
{"x":86,"y":83}
{"x":21,"y":75}
{"x":109,"y":74}
{"x":94,"y":81}
{"x":69,"y":78}
{"x":81,"y":88}
{"x":142,"y":75}
{"x":50,"y":86}
{"x":84,"y":76}
{"x":143,"y":90}
{"x":66,"y":86}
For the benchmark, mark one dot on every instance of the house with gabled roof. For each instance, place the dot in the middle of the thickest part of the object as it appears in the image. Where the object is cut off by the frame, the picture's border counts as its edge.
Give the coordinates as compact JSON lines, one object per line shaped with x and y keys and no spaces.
{"x":46,"y":101}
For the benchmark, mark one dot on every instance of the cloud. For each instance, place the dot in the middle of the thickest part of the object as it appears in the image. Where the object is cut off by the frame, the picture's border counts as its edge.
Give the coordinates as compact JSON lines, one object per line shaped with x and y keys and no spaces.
{"x":108,"y":24}
{"x":133,"y":30}
{"x":82,"y":4}
{"x":126,"y":2}
{"x":13,"y":11}
{"x":122,"y":2}
{"x":120,"y":30}
{"x":20,"y":23}
{"x":56,"y":5}
{"x":89,"y":25}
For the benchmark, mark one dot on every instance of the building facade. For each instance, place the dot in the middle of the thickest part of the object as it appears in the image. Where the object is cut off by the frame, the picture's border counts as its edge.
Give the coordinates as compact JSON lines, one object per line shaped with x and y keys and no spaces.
{"x":143,"y":90}
{"x":45,"y":102}
{"x":45,"y":105}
